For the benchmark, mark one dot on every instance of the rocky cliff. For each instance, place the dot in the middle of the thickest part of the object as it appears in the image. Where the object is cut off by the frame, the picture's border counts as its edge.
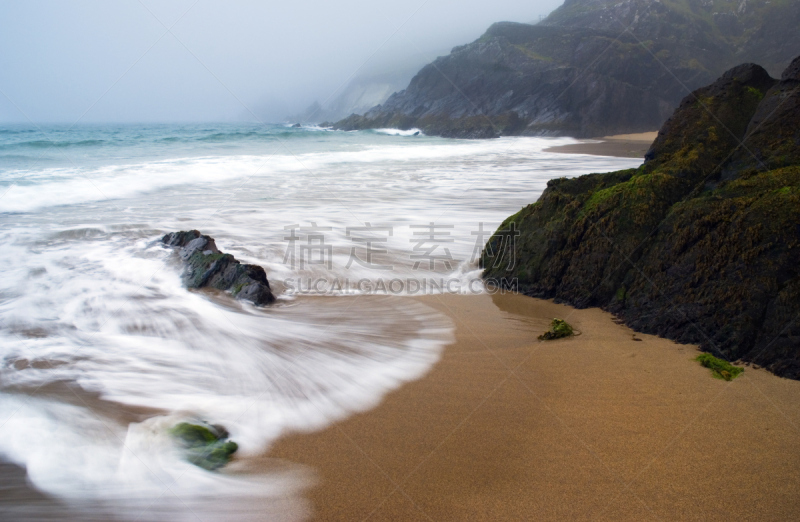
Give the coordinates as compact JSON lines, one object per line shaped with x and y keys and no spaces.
{"x":701,"y":244}
{"x":592,"y":68}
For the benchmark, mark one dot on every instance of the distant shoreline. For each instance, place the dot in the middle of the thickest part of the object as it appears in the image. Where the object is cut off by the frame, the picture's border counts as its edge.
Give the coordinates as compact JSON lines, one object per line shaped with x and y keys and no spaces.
{"x":621,"y":146}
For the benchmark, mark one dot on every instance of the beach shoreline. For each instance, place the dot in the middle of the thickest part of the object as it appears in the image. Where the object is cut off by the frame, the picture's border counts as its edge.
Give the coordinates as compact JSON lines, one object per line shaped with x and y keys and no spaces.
{"x":621,"y":145}
{"x":609,"y":424}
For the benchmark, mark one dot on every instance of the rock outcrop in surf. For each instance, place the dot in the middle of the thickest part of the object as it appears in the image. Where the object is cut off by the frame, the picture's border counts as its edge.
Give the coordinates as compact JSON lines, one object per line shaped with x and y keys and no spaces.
{"x":207,"y":267}
{"x":204,"y":445}
{"x":701,"y":244}
{"x":592,"y":68}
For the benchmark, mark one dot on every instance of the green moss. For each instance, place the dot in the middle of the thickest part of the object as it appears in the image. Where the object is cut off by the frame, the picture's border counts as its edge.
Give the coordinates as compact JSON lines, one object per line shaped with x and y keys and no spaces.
{"x":199,"y":259}
{"x":558,"y":329}
{"x":210,"y":258}
{"x":204,"y":446}
{"x":532,"y":54}
{"x":755,"y":93}
{"x":601,"y":196}
{"x":720,"y":368}
{"x":193,"y":435}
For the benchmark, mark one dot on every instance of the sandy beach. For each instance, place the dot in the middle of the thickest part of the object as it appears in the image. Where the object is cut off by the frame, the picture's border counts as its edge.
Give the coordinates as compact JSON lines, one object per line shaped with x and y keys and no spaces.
{"x":606,"y":425}
{"x":621,"y":145}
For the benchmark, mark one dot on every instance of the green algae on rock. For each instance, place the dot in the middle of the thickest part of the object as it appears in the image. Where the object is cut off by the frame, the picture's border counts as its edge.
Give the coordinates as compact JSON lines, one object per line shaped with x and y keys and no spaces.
{"x":206,"y":266}
{"x":205,"y":446}
{"x":701,"y":244}
{"x":559,"y":328}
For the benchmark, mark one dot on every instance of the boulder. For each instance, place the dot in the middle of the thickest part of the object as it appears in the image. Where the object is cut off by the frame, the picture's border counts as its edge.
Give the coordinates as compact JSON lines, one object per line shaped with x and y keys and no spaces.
{"x":701,"y":244}
{"x":207,"y":267}
{"x":204,"y":445}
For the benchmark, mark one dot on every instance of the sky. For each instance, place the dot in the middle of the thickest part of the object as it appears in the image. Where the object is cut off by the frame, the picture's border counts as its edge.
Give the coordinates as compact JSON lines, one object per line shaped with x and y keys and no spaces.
{"x":201,"y":60}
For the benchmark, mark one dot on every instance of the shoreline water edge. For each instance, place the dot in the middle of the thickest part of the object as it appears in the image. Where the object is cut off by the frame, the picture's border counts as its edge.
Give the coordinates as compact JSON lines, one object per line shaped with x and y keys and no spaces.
{"x":105,"y":351}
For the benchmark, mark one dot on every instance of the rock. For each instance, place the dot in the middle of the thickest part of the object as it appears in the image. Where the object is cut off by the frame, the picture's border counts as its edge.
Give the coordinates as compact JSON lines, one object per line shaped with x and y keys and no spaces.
{"x":206,"y":446}
{"x":792,"y":72}
{"x":723,"y":109}
{"x":701,"y":244}
{"x":519,"y":79}
{"x":207,"y":267}
{"x":592,"y":68}
{"x":296,"y":126}
{"x":773,"y":135}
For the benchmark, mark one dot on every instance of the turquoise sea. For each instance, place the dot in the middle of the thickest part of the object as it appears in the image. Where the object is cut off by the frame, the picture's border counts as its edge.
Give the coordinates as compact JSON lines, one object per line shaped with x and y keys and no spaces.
{"x":102,"y":349}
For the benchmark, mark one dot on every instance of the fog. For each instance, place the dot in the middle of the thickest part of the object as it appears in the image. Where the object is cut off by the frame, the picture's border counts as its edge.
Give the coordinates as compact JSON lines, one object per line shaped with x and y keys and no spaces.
{"x":188,"y":60}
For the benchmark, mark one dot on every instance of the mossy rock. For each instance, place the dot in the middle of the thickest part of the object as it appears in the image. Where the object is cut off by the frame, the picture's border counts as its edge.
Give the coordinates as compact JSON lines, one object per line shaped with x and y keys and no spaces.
{"x":205,"y":446}
{"x":720,"y":368}
{"x":701,"y":244}
{"x":559,"y":328}
{"x":207,"y":267}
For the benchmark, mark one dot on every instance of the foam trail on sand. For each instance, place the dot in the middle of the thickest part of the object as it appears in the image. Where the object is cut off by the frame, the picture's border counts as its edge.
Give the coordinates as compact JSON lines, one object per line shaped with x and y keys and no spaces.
{"x":258,"y":372}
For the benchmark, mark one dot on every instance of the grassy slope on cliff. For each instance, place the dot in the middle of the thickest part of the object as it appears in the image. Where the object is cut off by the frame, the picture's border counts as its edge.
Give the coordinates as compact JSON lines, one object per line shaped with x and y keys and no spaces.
{"x":702,"y":243}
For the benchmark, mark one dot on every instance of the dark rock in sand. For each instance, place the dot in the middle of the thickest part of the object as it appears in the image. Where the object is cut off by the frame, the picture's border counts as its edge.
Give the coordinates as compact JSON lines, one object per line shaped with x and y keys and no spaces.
{"x":207,"y":267}
{"x":701,"y":244}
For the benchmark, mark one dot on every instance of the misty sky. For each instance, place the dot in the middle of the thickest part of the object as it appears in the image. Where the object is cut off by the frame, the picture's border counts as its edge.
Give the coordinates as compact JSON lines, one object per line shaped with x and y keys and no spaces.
{"x":95,"y":61}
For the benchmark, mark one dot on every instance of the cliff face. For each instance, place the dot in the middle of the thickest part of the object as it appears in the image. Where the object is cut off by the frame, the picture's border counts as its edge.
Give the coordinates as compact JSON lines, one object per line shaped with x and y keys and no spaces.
{"x":701,"y":244}
{"x":580,"y":73}
{"x":762,"y":31}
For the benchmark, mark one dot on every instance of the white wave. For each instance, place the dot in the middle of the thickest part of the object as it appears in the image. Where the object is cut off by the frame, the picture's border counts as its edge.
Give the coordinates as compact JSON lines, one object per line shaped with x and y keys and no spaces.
{"x":32,"y":190}
{"x":96,"y":466}
{"x":400,"y":132}
{"x":110,"y":315}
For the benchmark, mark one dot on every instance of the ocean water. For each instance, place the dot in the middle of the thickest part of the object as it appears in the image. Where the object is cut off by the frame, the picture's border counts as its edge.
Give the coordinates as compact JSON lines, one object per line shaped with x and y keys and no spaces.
{"x":102,"y":349}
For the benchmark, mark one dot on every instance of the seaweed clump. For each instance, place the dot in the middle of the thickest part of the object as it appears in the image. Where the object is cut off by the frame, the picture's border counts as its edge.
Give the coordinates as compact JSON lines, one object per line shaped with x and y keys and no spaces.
{"x":205,"y":446}
{"x":720,"y":368}
{"x":558,"y":328}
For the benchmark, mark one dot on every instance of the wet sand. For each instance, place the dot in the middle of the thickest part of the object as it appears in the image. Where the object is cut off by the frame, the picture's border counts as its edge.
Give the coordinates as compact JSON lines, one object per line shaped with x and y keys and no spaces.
{"x":621,"y":145}
{"x":598,"y":426}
